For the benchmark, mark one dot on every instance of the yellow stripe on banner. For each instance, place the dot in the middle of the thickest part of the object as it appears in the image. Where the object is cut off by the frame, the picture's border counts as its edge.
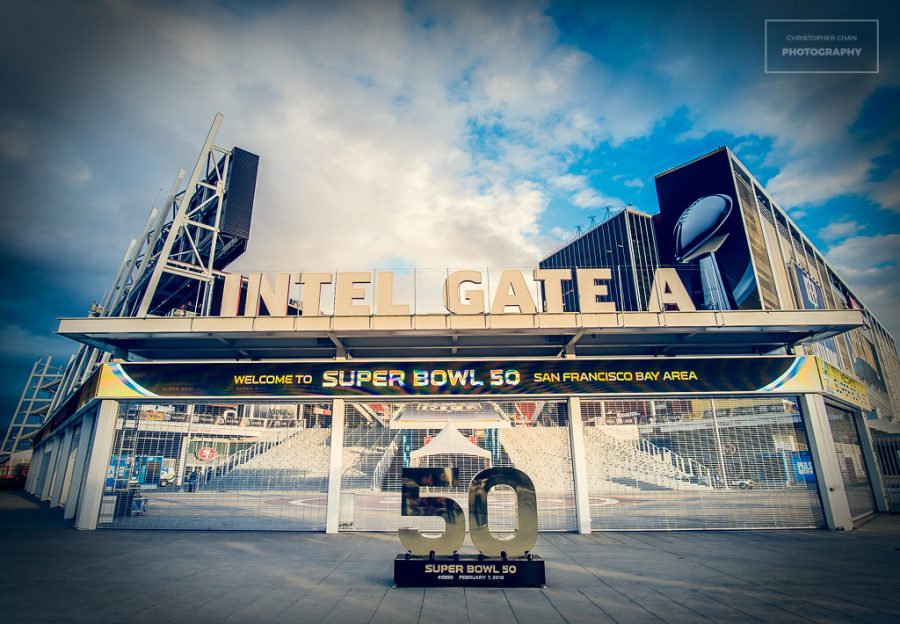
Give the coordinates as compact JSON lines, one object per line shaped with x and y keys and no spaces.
{"x":111,"y":387}
{"x":805,"y":379}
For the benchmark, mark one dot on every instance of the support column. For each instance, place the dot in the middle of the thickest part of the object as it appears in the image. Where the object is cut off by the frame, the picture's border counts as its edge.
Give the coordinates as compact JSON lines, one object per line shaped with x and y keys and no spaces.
{"x":81,"y":455}
{"x":868,"y":452}
{"x":181,"y":467}
{"x":61,"y":463}
{"x":47,"y":466}
{"x":825,"y":463}
{"x":333,"y":511}
{"x":53,"y":475}
{"x":97,"y":463}
{"x":34,"y":468}
{"x":579,"y":467}
{"x":723,"y":473}
{"x":70,"y":467}
{"x":40,"y":468}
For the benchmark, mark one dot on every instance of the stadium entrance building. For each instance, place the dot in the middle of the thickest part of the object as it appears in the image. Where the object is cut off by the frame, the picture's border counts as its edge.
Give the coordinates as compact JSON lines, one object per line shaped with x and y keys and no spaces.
{"x":292,"y":401}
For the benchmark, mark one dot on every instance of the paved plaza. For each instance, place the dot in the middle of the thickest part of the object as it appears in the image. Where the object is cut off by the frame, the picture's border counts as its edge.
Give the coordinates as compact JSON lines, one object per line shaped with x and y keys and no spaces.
{"x":53,"y":573}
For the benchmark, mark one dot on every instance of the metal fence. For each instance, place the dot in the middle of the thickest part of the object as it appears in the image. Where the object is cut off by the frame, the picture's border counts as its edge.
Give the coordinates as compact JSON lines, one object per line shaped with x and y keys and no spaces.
{"x":850,"y":458}
{"x":380,"y":439}
{"x":696,"y":463}
{"x":887,"y":449}
{"x":686,"y":463}
{"x":219,"y":466}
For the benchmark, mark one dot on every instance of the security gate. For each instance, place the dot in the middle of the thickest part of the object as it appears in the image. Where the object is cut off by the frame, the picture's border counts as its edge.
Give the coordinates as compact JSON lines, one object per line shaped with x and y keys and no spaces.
{"x":857,"y":484}
{"x":683,"y":463}
{"x":219,"y":466}
{"x":382,"y":438}
{"x":699,"y":463}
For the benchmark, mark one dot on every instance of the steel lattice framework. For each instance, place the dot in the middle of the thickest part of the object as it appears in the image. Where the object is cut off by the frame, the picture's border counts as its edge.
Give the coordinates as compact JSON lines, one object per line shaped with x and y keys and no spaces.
{"x":34,"y":405}
{"x":169,"y":270}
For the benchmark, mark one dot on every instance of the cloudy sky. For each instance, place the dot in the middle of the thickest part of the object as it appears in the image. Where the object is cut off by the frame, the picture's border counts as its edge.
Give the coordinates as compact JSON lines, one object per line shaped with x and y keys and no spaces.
{"x":417,"y":134}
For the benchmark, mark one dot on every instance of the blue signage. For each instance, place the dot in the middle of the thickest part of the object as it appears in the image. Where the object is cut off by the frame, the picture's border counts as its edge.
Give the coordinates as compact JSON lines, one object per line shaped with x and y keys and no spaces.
{"x":803,"y":467}
{"x":812,"y":298}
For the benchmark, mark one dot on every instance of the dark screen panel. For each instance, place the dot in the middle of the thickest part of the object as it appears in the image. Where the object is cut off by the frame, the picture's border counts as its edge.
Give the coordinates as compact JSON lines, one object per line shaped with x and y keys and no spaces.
{"x":239,"y":193}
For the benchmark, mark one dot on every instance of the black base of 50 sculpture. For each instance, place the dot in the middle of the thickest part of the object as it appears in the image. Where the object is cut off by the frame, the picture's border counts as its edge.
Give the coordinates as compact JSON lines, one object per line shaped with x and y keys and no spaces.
{"x":468,"y":571}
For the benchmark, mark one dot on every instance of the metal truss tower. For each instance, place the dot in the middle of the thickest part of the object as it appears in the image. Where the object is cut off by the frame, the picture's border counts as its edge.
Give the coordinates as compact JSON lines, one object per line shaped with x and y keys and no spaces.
{"x":172,"y":267}
{"x":33,"y":407}
{"x":174,"y":264}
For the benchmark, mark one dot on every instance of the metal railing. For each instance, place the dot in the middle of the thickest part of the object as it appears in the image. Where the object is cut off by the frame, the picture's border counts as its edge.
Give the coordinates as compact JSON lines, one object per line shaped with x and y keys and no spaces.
{"x":229,"y":463}
{"x":382,"y":467}
{"x":688,"y":466}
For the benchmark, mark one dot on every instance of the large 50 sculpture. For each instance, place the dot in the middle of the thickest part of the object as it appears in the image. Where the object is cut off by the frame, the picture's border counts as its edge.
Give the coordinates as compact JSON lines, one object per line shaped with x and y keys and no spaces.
{"x":449,"y":542}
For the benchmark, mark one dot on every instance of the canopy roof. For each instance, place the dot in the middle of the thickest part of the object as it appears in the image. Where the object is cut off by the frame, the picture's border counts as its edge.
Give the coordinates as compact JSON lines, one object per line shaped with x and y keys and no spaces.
{"x":449,"y":442}
{"x":734,"y":332}
{"x":436,"y":414}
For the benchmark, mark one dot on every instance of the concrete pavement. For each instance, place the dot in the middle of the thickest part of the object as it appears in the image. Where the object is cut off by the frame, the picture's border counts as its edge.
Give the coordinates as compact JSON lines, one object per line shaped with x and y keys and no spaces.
{"x":53,"y":573}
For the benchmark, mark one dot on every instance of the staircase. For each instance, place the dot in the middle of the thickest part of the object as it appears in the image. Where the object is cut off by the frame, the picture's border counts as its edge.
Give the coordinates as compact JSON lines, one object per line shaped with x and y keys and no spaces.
{"x":299,"y":460}
{"x":637,"y":465}
{"x":542,"y":453}
{"x":365,"y":447}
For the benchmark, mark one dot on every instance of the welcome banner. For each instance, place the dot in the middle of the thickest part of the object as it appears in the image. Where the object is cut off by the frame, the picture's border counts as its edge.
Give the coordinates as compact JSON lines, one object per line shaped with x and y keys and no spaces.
{"x":459,"y":378}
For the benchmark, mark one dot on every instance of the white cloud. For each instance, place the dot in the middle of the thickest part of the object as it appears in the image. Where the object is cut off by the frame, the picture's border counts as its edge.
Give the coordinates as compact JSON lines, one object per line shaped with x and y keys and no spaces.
{"x":840,"y":229}
{"x":815,"y":154}
{"x":887,"y":193}
{"x":590,"y":198}
{"x":870,"y":265}
{"x":14,"y":142}
{"x":583,"y":196}
{"x":76,"y":173}
{"x":357,"y":139}
{"x":351,"y":178}
{"x":814,"y":179}
{"x":364,"y":121}
{"x":570,"y":182}
{"x":808,"y":120}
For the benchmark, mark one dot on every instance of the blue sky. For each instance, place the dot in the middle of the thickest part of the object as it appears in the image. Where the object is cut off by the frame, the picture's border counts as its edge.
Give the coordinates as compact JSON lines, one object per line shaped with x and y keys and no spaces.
{"x":426,"y":134}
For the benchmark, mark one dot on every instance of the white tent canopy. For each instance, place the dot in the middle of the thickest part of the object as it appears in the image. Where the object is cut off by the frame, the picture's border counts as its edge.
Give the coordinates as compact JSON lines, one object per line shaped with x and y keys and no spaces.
{"x":449,"y":442}
{"x":465,"y":414}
